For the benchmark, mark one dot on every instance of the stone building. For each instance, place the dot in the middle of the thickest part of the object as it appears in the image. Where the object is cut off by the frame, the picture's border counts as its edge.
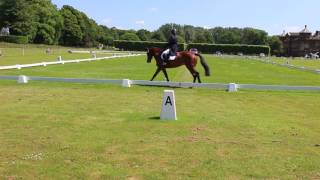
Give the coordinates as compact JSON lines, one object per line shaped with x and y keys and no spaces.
{"x":298,"y":44}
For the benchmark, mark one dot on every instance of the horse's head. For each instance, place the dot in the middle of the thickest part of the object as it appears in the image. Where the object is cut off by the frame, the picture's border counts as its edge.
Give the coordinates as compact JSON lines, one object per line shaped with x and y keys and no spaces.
{"x":153,"y":52}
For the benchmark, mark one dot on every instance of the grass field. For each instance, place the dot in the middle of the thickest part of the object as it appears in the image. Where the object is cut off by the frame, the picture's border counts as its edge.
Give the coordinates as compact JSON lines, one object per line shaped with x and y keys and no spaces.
{"x":308,"y":63}
{"x":224,"y":70}
{"x":74,"y":131}
{"x":13,"y":54}
{"x":86,"y":131}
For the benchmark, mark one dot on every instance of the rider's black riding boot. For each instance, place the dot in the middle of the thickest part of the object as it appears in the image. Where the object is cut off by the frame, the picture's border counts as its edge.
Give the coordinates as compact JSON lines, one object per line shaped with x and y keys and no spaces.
{"x":165,"y":61}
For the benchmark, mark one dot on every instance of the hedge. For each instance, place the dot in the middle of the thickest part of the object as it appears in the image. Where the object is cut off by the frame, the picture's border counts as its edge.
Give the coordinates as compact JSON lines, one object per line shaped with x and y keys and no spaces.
{"x":141,"y":45}
{"x":230,"y":48}
{"x":203,"y":48}
{"x":14,"y":39}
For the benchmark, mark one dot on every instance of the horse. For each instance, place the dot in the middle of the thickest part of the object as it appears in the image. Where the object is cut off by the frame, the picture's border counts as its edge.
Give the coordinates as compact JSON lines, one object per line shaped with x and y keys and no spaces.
{"x":187,"y":58}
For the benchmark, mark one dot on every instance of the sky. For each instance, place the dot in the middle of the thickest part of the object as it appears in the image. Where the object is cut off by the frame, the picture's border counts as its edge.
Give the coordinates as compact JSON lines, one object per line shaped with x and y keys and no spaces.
{"x":273,"y":16}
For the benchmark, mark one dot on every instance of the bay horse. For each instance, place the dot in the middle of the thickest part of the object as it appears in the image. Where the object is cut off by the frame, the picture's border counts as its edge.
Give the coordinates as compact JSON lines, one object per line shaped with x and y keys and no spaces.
{"x":189,"y":59}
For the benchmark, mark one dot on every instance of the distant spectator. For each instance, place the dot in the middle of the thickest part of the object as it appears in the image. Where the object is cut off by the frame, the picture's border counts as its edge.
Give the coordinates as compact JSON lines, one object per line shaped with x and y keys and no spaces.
{"x":48,"y":51}
{"x":5,"y":31}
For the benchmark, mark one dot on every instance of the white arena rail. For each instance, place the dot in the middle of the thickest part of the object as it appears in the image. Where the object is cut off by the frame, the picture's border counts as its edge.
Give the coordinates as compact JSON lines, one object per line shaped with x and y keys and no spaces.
{"x":231,"y":87}
{"x":268,"y":61}
{"x":20,"y":66}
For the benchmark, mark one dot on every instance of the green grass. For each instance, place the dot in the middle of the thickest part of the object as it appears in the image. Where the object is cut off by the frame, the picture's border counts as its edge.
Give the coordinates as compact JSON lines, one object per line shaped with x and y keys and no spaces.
{"x":12,"y":54}
{"x":85,"y":131}
{"x":75,"y":131}
{"x":224,"y":70}
{"x":308,"y":63}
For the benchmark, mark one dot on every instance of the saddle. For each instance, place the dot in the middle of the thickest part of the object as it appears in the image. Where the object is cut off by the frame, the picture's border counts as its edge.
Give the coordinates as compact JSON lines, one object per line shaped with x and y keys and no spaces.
{"x":166,"y":55}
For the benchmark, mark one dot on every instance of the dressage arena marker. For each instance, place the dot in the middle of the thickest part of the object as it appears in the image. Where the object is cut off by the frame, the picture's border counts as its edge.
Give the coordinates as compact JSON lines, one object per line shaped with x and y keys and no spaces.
{"x":233,"y":87}
{"x":126,"y":83}
{"x":23,"y":79}
{"x":168,"y":110}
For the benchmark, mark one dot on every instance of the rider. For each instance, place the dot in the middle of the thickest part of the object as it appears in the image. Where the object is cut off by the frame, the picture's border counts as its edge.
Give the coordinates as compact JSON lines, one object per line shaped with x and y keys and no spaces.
{"x":170,"y":53}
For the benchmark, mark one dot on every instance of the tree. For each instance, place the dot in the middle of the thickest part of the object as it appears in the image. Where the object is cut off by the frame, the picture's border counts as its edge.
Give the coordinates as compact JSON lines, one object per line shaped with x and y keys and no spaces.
{"x":144,"y":35}
{"x":129,"y":37}
{"x":254,"y":36}
{"x":199,"y":36}
{"x":158,"y":36}
{"x":208,"y":37}
{"x":48,"y":21}
{"x":19,"y":16}
{"x":37,"y":19}
{"x":276,"y":45}
{"x":71,"y":31}
{"x":180,"y":39}
{"x":78,"y":29}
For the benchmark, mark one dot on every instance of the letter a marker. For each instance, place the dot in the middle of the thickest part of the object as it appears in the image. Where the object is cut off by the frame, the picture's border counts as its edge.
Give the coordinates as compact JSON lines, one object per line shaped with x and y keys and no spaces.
{"x":168,"y":111}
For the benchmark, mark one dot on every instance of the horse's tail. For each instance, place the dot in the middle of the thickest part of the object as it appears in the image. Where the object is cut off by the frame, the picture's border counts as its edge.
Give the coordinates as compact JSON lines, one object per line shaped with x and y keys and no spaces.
{"x":204,"y":64}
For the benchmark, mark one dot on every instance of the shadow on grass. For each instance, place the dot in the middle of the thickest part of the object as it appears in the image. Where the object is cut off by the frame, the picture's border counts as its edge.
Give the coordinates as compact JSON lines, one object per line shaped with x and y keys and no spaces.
{"x":155,"y":118}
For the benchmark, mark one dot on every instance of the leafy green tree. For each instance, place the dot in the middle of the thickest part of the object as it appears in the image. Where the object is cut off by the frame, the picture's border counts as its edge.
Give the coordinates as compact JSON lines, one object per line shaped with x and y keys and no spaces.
{"x":19,"y":16}
{"x":158,"y":37}
{"x":276,"y":45}
{"x":71,"y":31}
{"x":180,"y":39}
{"x":254,"y":36}
{"x":144,"y":35}
{"x":129,"y":37}
{"x":48,"y":21}
{"x":189,"y":33}
{"x":38,"y":19}
{"x":199,"y":36}
{"x":208,"y":37}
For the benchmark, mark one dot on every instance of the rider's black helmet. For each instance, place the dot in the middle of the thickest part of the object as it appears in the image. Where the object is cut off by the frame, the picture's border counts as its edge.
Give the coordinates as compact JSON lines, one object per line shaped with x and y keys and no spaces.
{"x":174,"y":31}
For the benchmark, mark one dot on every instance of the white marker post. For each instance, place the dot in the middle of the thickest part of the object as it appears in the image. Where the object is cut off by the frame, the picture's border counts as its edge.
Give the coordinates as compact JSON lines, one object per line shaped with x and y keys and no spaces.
{"x":23,"y":79}
{"x":168,"y":111}
{"x":126,"y":83}
{"x":233,"y":87}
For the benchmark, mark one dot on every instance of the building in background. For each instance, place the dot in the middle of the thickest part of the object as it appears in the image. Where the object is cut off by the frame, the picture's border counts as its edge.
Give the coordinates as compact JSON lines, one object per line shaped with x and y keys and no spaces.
{"x":298,"y":44}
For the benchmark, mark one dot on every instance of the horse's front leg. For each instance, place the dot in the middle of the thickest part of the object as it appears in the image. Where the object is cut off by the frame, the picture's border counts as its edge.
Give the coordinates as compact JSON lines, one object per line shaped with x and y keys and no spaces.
{"x":198,"y":76}
{"x":155,"y":74}
{"x":165,"y":74}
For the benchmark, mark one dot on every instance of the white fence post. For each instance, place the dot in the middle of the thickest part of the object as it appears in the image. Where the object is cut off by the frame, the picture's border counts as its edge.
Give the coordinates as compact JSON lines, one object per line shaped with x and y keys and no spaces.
{"x":233,"y":87}
{"x":168,"y":111}
{"x":23,"y":79}
{"x":126,"y":83}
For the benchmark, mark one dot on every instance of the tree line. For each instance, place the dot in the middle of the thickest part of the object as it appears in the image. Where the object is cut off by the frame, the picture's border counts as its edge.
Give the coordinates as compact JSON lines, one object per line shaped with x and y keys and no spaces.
{"x":42,"y":22}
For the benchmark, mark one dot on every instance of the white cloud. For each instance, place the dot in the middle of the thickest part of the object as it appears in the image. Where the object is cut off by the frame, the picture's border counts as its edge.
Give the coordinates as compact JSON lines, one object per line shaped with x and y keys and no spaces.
{"x":140,"y":22}
{"x":106,"y":21}
{"x":292,"y":28}
{"x":153,"y":9}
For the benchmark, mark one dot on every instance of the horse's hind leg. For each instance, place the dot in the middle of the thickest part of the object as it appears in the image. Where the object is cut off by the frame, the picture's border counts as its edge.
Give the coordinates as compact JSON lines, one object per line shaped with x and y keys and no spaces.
{"x":194,"y":73}
{"x":155,"y":74}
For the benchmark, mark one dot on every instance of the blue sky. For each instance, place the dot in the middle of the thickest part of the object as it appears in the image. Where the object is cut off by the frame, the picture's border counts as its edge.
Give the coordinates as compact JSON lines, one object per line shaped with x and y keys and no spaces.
{"x":274,"y":16}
